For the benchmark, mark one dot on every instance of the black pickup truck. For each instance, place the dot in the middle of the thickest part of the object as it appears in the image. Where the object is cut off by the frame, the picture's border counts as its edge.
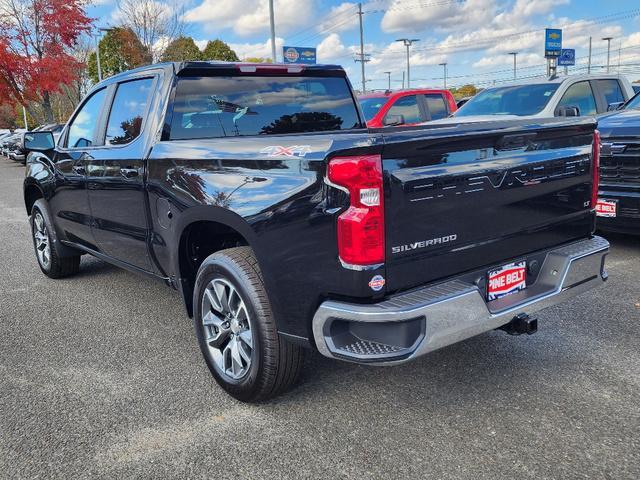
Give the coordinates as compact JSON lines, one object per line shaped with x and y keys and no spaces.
{"x":258,"y":193}
{"x":618,"y":207}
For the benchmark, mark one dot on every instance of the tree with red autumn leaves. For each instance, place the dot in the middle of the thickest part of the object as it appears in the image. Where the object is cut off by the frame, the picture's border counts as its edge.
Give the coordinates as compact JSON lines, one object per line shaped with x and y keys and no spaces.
{"x":36,"y":37}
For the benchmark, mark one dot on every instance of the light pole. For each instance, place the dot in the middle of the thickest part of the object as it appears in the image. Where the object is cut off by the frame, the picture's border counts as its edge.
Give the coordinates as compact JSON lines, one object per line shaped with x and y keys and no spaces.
{"x":97,"y":36}
{"x":444,"y":65}
{"x":273,"y":31}
{"x":407,"y":43}
{"x":515,"y":54}
{"x":388,"y":80}
{"x":608,"y":39}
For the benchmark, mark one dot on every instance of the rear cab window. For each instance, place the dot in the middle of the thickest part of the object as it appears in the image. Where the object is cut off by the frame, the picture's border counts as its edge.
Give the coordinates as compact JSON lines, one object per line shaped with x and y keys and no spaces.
{"x":611,"y":91}
{"x":127,"y":111}
{"x":231,"y":106}
{"x":437,"y":106}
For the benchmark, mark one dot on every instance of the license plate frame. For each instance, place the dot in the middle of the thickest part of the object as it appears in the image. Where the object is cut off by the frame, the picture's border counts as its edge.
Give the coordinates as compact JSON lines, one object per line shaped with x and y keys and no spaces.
{"x":607,"y":208}
{"x":506,"y":280}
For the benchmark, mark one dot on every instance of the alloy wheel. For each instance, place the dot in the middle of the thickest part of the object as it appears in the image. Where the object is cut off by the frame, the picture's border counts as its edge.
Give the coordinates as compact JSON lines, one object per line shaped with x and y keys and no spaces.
{"x":41,"y":237}
{"x":227,"y":328}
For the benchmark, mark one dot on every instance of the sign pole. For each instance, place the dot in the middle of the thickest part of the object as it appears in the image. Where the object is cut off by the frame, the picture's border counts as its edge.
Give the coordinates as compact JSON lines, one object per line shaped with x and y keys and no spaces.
{"x":589,"y":64}
{"x":273,"y":32}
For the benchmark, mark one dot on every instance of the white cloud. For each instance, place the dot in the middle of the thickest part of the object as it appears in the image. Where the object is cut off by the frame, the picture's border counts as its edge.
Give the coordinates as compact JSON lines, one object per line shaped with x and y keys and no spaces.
{"x":341,"y":18}
{"x":416,"y":16}
{"x":523,"y":60}
{"x":250,"y":17}
{"x":260,"y":50}
{"x":332,"y":48}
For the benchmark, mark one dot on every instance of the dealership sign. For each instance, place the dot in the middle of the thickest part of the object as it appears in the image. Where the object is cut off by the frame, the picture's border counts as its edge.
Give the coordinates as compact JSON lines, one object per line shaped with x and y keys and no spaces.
{"x":552,"y":42}
{"x":299,"y":54}
{"x":567,"y":57}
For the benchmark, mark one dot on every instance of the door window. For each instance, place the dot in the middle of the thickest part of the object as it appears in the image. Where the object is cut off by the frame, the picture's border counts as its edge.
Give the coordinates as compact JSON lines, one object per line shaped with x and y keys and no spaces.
{"x":408,"y":108}
{"x":611,"y":91}
{"x":84,"y":124}
{"x":437,"y":107}
{"x":127,"y":111}
{"x":580,"y":95}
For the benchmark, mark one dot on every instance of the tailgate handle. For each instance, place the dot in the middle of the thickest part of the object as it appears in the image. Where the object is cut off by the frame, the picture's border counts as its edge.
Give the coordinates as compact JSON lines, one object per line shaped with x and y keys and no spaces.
{"x":516,"y":141}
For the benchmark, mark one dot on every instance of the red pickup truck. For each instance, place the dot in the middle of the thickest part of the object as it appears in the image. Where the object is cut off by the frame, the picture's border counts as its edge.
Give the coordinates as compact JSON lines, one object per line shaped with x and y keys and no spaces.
{"x":406,"y":107}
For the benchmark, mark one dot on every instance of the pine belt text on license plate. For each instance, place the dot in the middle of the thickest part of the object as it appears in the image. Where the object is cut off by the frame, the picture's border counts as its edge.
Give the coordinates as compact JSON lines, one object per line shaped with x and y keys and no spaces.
{"x":507,"y":279}
{"x":606,"y":208}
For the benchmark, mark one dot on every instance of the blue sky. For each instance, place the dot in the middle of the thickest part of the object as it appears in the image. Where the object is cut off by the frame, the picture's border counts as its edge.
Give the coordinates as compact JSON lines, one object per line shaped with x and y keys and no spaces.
{"x":474,"y":37}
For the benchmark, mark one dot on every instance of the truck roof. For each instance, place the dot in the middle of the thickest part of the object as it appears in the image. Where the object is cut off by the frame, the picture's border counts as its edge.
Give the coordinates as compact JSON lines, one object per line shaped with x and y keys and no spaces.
{"x":247,"y":67}
{"x":560,"y":79}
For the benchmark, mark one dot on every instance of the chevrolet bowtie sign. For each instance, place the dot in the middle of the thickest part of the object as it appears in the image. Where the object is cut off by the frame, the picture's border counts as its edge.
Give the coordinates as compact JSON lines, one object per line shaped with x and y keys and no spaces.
{"x":552,"y":42}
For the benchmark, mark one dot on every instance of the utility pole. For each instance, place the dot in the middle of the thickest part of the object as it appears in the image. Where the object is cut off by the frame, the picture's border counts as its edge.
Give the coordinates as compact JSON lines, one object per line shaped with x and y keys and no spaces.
{"x":403,"y":79}
{"x":362,"y":59}
{"x":273,"y":31}
{"x":589,"y":64}
{"x":388,"y":80}
{"x":444,"y":65}
{"x":515,"y":64}
{"x":407,"y":43}
{"x":608,"y":39}
{"x":24,"y":116}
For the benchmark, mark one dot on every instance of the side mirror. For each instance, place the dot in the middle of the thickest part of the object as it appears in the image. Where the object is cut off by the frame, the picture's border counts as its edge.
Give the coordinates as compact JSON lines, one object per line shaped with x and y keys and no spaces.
{"x":568,"y":112}
{"x":391,"y":120}
{"x":38,"y":141}
{"x":614,"y":106}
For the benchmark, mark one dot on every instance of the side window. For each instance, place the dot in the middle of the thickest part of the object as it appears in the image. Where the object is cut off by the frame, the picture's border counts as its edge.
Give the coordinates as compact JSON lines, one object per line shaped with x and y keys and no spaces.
{"x":437,"y":107}
{"x":83,"y":126}
{"x":408,"y":108}
{"x":127,"y":111}
{"x":580,"y":95}
{"x":611,"y":91}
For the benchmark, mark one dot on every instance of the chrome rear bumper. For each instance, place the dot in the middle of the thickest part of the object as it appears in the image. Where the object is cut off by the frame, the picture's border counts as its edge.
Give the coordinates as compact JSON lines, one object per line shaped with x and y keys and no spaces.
{"x":414,"y":323}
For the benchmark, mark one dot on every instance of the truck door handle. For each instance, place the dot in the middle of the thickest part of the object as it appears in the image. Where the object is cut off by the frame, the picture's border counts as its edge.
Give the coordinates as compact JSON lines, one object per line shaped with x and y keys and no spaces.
{"x":129,"y":172}
{"x":79,"y":169}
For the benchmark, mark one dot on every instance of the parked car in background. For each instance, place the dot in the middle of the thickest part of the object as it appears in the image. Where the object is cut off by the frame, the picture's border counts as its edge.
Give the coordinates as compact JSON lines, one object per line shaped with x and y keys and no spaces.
{"x":462,"y":101}
{"x":8,"y":143}
{"x":618,"y":206}
{"x":17,"y":152}
{"x":406,"y":107}
{"x":572,"y":96}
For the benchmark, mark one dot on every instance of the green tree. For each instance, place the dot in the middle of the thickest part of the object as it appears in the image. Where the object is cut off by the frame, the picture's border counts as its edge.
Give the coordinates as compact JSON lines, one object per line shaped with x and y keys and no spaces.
{"x":120,"y":50}
{"x":464,"y":91}
{"x":257,"y":60}
{"x":218,"y":50}
{"x":182,"y":49}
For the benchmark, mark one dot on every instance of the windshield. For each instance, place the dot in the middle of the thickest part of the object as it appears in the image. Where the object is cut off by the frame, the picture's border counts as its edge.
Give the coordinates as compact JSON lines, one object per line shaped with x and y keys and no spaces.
{"x":634,"y":103}
{"x":371,"y":106}
{"x":517,"y":100}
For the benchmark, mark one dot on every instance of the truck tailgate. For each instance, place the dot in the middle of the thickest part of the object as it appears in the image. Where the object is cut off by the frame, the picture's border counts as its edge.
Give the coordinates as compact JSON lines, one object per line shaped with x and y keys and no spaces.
{"x":467,"y":196}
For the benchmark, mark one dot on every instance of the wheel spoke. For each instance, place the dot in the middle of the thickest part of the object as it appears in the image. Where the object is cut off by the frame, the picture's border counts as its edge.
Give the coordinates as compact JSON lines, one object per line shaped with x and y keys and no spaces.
{"x":246,"y":337}
{"x":244,"y":352}
{"x":213,"y":299}
{"x":221,"y":293}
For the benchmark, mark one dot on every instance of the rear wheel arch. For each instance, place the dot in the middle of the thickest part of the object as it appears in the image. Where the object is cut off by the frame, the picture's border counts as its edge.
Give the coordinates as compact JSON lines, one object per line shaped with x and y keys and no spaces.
{"x":199,"y":238}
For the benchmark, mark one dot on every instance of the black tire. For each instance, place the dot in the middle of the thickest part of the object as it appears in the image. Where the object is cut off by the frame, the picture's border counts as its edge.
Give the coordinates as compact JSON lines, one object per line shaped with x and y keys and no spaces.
{"x":59,"y":265}
{"x":275,"y":363}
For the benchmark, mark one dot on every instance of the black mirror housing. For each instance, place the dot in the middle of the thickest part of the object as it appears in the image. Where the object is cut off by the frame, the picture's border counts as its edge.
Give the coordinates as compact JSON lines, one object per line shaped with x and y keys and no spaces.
{"x":38,"y":141}
{"x":568,"y":112}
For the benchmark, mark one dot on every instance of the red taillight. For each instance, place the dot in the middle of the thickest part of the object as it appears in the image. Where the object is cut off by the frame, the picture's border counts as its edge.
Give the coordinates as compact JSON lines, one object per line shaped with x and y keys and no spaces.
{"x":596,"y":168}
{"x":361,"y":226}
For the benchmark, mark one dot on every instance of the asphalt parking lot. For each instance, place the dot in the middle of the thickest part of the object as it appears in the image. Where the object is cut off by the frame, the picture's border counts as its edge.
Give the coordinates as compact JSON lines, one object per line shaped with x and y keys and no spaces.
{"x":100,"y":375}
